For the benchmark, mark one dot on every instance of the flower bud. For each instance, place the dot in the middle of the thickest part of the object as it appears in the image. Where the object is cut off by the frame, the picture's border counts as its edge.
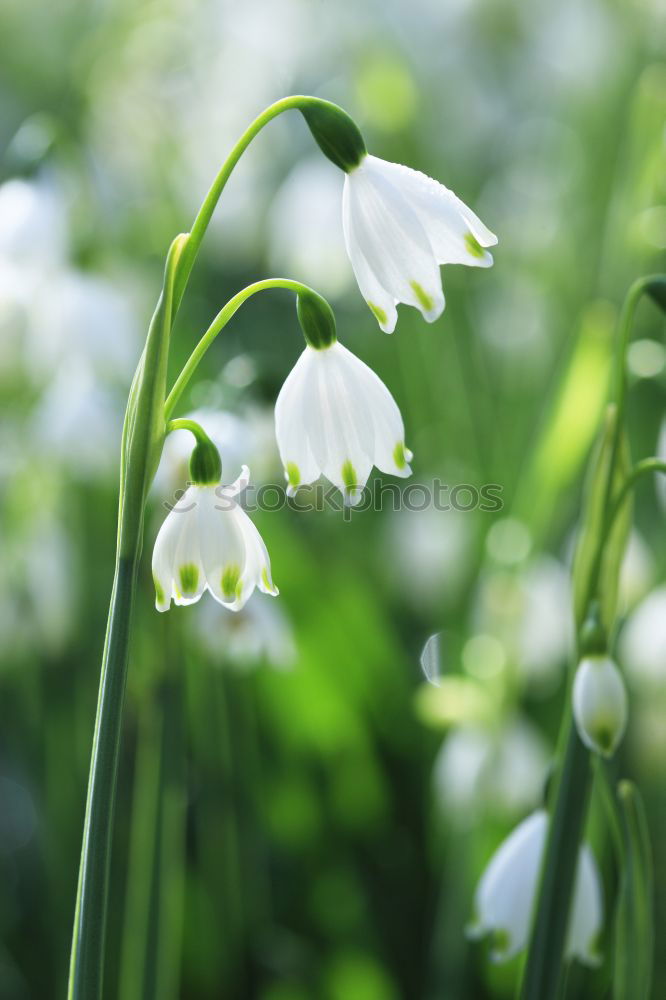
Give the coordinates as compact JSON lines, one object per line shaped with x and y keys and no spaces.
{"x":600,"y":704}
{"x":337,"y":135}
{"x":205,"y":463}
{"x":316,"y":319}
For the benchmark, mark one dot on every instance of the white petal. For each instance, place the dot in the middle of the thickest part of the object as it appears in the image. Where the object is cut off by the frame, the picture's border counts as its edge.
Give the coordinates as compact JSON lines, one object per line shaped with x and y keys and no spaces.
{"x":164,"y":551}
{"x":257,"y":572}
{"x":381,"y":303}
{"x":389,"y":452}
{"x":504,"y":897}
{"x":189,"y":578}
{"x":600,"y":704}
{"x":587,"y":911}
{"x":381,"y":225}
{"x":223,"y":549}
{"x":236,"y":488}
{"x":446,"y":219}
{"x":291,"y":422}
{"x":340,"y":428}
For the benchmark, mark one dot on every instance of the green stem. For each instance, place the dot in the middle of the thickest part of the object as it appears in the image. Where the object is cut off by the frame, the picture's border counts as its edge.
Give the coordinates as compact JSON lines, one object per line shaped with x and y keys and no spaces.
{"x":86,"y":966}
{"x":643,"y":468}
{"x":218,"y":324}
{"x":606,"y":787}
{"x":297,"y":102}
{"x":143,"y":433}
{"x":544,"y":963}
{"x":543,"y":970}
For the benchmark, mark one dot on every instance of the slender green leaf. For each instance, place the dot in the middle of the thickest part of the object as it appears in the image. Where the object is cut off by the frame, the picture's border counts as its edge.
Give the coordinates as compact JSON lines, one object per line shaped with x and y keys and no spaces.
{"x":634,"y":928}
{"x":596,"y":508}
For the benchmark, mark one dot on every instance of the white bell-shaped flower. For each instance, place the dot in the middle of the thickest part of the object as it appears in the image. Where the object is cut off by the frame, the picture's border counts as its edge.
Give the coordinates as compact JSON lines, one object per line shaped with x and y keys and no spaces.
{"x":505,"y":897}
{"x":600,"y":704}
{"x":335,"y":417}
{"x":399,"y":226}
{"x":208,"y":542}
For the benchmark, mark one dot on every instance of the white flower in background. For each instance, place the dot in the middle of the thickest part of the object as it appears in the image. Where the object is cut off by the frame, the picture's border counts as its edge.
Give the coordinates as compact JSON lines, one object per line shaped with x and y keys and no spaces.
{"x":643,"y":640}
{"x":261,"y":633}
{"x":335,"y":417}
{"x":208,"y":542}
{"x":399,"y":226}
{"x":600,"y":704}
{"x":81,"y":315}
{"x":33,"y":230}
{"x":305,"y":229}
{"x":476,"y":770}
{"x":505,"y":895}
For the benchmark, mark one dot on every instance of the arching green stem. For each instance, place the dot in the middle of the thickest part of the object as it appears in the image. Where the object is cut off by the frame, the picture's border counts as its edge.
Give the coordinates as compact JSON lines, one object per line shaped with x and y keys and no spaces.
{"x":218,"y":325}
{"x":645,"y":467}
{"x":309,"y":106}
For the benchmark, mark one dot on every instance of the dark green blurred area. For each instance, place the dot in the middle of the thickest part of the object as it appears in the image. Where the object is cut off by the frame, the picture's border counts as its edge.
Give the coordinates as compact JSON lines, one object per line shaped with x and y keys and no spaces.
{"x":299,"y":814}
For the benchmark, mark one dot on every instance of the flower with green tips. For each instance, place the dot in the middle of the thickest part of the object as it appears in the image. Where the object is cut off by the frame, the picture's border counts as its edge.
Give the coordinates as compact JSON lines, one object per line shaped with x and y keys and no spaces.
{"x":208,"y":542}
{"x":334,"y":417}
{"x":399,"y":226}
{"x":504,"y":899}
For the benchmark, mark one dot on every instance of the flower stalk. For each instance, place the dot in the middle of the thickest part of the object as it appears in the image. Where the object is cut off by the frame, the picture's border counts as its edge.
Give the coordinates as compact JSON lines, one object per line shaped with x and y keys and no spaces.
{"x":142,"y":436}
{"x":571,"y":788}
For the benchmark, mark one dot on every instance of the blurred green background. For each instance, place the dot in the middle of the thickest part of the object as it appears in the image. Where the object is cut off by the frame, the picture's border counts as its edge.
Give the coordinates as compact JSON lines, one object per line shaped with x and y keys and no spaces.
{"x":300,"y":815}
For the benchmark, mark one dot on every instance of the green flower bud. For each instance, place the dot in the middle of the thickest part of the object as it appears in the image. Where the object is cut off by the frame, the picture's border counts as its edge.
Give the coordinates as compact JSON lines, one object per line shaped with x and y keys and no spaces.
{"x":316,"y":319}
{"x":205,"y":463}
{"x":336,"y":134}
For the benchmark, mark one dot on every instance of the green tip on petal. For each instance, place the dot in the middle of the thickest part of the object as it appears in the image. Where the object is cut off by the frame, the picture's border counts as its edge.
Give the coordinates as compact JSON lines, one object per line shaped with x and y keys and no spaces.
{"x":159,"y":591}
{"x":400,"y":455}
{"x":604,"y":737}
{"x":189,"y":578}
{"x":230,"y":582}
{"x":267,"y":582}
{"x":293,"y":474}
{"x":500,"y":942}
{"x":473,"y":246}
{"x":425,"y":301}
{"x":378,"y":313}
{"x":349,"y":477}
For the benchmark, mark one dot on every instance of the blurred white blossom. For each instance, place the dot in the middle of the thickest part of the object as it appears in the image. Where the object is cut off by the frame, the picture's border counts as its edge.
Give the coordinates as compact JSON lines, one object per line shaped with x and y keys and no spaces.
{"x":642,"y":644}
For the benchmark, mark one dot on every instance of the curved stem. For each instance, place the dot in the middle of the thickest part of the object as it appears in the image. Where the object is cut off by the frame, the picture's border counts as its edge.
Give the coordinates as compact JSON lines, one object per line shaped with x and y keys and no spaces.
{"x":297,"y":102}
{"x":643,"y":468}
{"x":570,"y":795}
{"x":185,"y":424}
{"x":217,"y":325}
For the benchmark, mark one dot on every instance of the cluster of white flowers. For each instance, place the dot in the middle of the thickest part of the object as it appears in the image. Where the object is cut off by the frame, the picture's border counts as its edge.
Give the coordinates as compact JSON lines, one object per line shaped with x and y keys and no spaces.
{"x":333,"y":416}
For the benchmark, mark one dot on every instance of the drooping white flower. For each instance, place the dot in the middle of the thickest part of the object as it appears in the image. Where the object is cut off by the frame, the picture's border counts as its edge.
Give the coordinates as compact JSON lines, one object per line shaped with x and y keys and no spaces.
{"x":600,"y":704}
{"x":208,"y":542}
{"x":399,"y":226}
{"x":335,"y":417}
{"x":505,"y":896}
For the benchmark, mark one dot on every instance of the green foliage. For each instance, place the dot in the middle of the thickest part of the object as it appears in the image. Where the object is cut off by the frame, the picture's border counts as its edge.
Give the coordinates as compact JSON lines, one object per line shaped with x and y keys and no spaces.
{"x":634,"y":923}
